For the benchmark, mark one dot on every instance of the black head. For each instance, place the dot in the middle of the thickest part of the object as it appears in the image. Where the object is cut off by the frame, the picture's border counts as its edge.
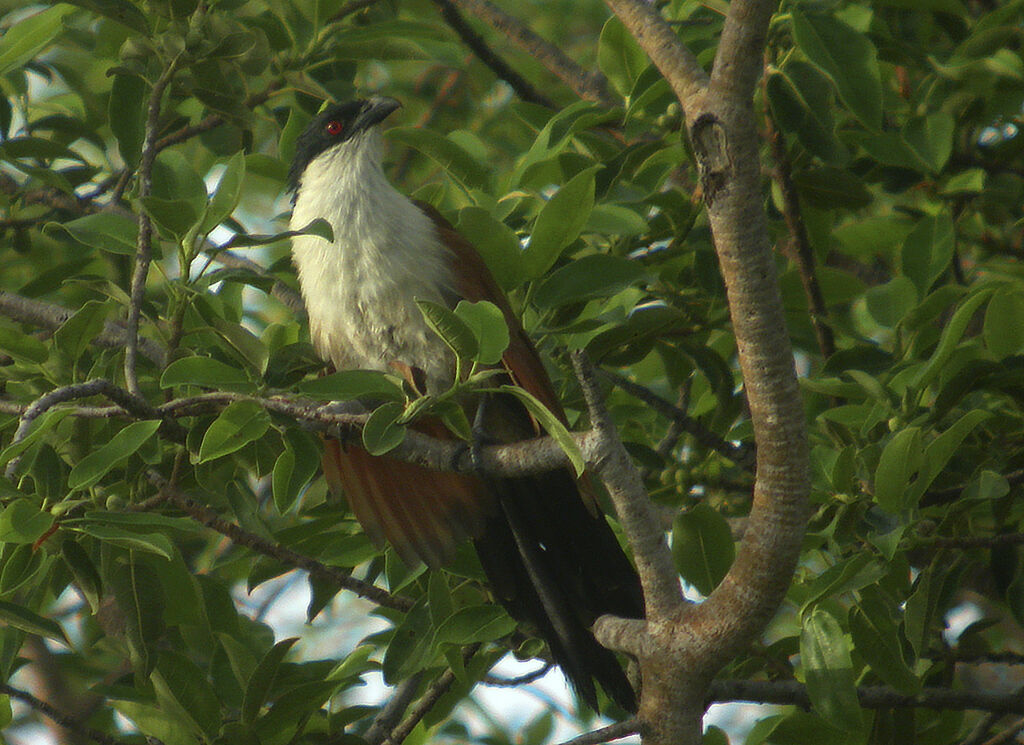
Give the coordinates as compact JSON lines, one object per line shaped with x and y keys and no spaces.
{"x":333,"y":126}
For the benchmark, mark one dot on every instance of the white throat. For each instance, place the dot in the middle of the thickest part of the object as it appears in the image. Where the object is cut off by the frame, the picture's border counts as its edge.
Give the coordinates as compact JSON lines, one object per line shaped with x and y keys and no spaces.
{"x":360,"y":289}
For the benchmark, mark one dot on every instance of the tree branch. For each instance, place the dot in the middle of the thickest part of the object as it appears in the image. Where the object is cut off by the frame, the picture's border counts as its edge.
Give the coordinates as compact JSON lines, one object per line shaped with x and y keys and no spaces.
{"x":523,"y":88}
{"x":588,"y":85}
{"x":68,"y":722}
{"x":338,"y":577}
{"x":144,"y":248}
{"x":391,"y":714}
{"x":654,"y":35}
{"x":870,"y":697}
{"x":51,"y":317}
{"x":606,"y":734}
{"x":741,"y":454}
{"x":662,"y":595}
{"x":426,"y":702}
{"x":801,"y":253}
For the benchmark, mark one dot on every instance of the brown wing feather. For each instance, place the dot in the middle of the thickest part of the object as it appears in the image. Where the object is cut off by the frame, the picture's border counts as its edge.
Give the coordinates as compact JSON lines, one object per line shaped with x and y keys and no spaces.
{"x":475,"y":283}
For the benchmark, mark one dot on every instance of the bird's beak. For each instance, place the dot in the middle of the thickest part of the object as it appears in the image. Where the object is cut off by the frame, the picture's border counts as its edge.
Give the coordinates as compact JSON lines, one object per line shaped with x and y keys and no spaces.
{"x":374,"y":111}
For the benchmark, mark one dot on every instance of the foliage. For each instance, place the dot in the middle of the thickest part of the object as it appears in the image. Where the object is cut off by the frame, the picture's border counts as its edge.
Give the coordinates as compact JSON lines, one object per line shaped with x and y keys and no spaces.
{"x":899,"y":259}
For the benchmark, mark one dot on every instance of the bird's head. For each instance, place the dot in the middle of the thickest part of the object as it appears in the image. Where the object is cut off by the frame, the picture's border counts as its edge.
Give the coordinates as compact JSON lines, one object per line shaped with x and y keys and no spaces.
{"x":347,"y":129}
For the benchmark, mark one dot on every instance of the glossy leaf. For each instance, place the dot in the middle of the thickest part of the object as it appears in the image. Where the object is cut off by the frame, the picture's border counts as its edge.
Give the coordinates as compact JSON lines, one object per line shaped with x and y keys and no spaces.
{"x":260,"y":683}
{"x":487,"y":323}
{"x":94,"y":466}
{"x":560,"y":222}
{"x":239,"y":424}
{"x":702,"y":547}
{"x":382,"y":432}
{"x":828,"y":671}
{"x":551,"y":424}
{"x":848,"y":58}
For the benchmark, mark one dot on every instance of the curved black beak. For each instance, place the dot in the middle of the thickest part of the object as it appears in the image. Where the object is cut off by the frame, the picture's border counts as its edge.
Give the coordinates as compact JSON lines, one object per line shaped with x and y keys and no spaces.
{"x":374,"y":111}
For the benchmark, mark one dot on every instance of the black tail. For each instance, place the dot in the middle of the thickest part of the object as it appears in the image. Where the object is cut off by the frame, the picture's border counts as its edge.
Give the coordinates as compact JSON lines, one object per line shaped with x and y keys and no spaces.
{"x":557,"y":567}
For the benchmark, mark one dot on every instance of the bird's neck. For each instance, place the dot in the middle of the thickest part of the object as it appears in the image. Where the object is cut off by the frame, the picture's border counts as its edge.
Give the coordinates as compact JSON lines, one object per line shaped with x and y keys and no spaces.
{"x":360,"y":290}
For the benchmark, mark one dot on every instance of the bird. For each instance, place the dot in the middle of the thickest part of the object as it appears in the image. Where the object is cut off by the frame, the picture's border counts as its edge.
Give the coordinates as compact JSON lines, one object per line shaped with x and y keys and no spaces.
{"x":549,"y":555}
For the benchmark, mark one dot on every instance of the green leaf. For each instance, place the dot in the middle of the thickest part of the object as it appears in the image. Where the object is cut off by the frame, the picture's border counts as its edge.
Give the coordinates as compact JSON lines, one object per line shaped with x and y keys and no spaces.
{"x":126,"y":112}
{"x":349,"y":385}
{"x":76,"y":334}
{"x":901,"y":460}
{"x":94,"y":466}
{"x":22,"y":347}
{"x":456,"y":161}
{"x":318,"y":227}
{"x":828,"y":671}
{"x":890,"y":303}
{"x":207,"y":373}
{"x":552,"y":425}
{"x":260,"y":683}
{"x":121,"y":11}
{"x":23,"y":522}
{"x":87,"y":578}
{"x":927,"y":251}
{"x":478,"y":623}
{"x":453,"y":330}
{"x":29,"y":36}
{"x":153,"y":543}
{"x":1004,"y":324}
{"x":382,"y":432}
{"x":877,"y":639}
{"x":487,"y":323}
{"x":87,"y":472}
{"x":156,"y":723}
{"x":619,"y":56}
{"x":801,"y":102}
{"x":103,"y":230}
{"x":238,"y":425}
{"x":42,"y":425}
{"x":560,"y":222}
{"x":174,"y":216}
{"x":597,"y":275}
{"x":20,"y":617}
{"x":848,"y":57}
{"x":294,"y":468}
{"x":941,"y":450}
{"x":229,"y":190}
{"x":180,"y":684}
{"x":496,"y":242}
{"x":951,"y":336}
{"x":828,"y":187}
{"x":931,"y":138}
{"x":702,"y":547}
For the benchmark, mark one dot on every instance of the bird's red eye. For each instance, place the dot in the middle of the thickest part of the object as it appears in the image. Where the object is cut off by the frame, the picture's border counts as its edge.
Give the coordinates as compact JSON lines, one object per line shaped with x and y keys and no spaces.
{"x":334,"y":127}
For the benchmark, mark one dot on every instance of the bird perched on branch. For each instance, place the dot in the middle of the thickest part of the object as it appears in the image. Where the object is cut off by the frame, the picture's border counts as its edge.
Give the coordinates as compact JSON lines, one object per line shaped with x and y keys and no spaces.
{"x":549,"y":555}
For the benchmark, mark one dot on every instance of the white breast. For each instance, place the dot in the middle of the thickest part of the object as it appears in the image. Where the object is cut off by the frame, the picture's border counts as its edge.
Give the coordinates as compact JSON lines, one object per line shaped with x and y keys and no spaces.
{"x":360,"y":290}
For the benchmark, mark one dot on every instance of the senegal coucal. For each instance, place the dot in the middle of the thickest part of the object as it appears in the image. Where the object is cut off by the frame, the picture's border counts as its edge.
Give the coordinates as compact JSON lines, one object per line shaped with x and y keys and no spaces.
{"x":548,"y":552}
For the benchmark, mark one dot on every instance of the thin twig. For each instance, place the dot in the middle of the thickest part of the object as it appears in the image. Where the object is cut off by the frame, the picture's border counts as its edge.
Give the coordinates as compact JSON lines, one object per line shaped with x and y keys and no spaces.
{"x":523,"y":88}
{"x":51,"y":317}
{"x":144,"y":247}
{"x":338,"y":577}
{"x":801,"y":253}
{"x":426,"y":702}
{"x":64,"y":720}
{"x":133,"y":405}
{"x":215,"y":120}
{"x":496,"y":681}
{"x":968,"y":542}
{"x":1007,"y":735}
{"x":871,"y":697}
{"x":742,"y":455}
{"x":606,"y":734}
{"x":391,"y":714}
{"x":591,"y":86}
